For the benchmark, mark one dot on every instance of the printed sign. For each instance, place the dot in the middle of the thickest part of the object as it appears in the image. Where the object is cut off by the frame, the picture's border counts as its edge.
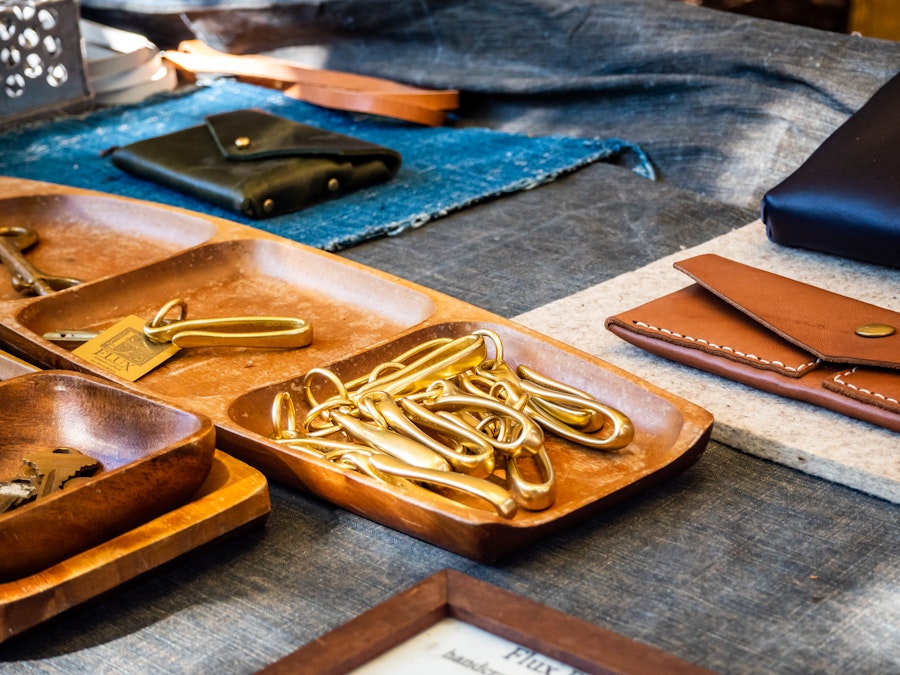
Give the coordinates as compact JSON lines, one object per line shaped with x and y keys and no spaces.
{"x":453,"y":647}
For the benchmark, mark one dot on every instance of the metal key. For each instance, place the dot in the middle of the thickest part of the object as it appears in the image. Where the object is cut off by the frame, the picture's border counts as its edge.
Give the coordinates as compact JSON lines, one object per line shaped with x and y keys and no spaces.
{"x":26,"y":278}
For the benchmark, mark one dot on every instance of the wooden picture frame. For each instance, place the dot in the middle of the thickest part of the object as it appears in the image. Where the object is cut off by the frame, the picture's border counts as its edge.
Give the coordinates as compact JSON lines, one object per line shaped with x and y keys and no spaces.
{"x":449,"y":593}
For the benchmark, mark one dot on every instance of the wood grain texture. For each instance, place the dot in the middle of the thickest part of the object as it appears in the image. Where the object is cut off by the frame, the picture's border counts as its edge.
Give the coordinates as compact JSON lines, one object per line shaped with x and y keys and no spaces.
{"x":360,"y":317}
{"x":232,"y":497}
{"x":875,"y":18}
{"x":152,"y":456}
{"x":449,"y":593}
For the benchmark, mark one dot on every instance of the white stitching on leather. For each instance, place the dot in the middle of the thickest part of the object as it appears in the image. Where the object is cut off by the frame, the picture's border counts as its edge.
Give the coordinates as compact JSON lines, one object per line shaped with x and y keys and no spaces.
{"x":837,"y":378}
{"x":724,"y":348}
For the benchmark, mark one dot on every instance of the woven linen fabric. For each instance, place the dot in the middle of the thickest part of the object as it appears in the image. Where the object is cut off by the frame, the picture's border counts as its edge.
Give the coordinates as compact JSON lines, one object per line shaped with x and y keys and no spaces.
{"x":444,"y":169}
{"x":726,"y":105}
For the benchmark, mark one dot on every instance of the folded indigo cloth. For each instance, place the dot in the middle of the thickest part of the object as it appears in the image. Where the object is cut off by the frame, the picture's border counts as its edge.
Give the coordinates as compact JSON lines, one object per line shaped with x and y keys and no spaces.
{"x":444,"y":169}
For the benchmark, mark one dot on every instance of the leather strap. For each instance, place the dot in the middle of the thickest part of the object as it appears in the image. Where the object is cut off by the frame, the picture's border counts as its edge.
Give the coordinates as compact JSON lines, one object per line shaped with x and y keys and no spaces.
{"x":326,"y":88}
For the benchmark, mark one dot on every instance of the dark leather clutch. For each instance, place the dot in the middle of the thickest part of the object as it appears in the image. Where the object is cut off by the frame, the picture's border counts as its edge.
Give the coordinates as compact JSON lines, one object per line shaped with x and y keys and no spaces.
{"x":845,"y":199}
{"x":776,"y":334}
{"x":257,"y":163}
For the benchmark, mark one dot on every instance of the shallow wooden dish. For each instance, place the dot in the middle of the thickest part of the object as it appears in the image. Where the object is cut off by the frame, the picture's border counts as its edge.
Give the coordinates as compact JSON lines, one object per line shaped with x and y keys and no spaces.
{"x":121,"y":238}
{"x":233,"y":497}
{"x":359,"y":316}
{"x":153,"y":457}
{"x":669,"y":436}
{"x":348,"y":308}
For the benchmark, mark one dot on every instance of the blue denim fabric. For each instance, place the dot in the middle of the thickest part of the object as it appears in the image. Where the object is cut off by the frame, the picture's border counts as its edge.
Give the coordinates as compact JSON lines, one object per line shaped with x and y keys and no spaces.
{"x":443,"y":169}
{"x":726,"y":105}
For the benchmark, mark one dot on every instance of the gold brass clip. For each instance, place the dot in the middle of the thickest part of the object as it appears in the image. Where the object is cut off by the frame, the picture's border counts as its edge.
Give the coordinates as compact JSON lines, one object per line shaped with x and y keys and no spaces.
{"x":497,"y":496}
{"x":529,"y":495}
{"x":528,"y":438}
{"x":236,"y":331}
{"x":273,"y":332}
{"x":444,"y":362}
{"x":390,"y":442}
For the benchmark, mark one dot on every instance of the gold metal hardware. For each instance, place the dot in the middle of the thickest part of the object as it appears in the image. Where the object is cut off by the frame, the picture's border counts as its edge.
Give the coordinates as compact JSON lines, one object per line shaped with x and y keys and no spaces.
{"x":875,"y":330}
{"x":443,"y":413}
{"x":494,"y":494}
{"x":26,"y":278}
{"x":273,"y":332}
{"x":389,"y":442}
{"x":532,"y":496}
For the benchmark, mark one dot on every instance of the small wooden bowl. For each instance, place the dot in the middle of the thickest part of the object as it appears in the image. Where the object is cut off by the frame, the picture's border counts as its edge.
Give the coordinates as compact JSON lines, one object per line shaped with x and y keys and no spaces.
{"x":153,"y":458}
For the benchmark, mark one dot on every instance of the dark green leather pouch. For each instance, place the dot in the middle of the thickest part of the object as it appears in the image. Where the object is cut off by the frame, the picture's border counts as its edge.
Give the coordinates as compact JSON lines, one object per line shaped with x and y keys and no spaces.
{"x":258,"y":164}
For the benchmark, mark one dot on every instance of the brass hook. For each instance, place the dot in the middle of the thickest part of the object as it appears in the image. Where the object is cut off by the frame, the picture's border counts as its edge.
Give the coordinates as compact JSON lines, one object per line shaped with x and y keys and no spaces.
{"x":445,"y":361}
{"x":529,"y":438}
{"x":532,"y":496}
{"x":389,"y":442}
{"x":495,"y":495}
{"x":284,"y":417}
{"x":474,"y":456}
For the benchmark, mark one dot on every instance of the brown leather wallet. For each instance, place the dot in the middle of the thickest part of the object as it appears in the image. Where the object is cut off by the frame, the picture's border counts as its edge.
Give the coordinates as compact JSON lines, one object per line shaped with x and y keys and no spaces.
{"x":778,"y":335}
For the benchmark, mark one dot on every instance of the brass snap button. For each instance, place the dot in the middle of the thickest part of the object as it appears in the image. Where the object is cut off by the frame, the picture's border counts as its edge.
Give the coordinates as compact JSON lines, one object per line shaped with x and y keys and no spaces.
{"x":334,"y":185}
{"x":875,"y":330}
{"x":242,"y":142}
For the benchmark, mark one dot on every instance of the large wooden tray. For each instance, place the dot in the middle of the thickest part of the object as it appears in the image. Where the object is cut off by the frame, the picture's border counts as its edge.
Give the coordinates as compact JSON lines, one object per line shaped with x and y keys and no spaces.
{"x":234,"y":496}
{"x":359,"y":316}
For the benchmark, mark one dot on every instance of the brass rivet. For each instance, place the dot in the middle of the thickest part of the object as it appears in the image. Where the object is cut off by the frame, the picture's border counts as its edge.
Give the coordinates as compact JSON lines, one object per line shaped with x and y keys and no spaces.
{"x":334,"y":185}
{"x":242,"y":142}
{"x":268,"y":206}
{"x":875,"y":330}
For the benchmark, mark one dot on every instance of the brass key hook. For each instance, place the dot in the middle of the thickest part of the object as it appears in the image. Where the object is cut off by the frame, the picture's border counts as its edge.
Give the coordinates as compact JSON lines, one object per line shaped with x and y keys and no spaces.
{"x":235,"y":331}
{"x":284,"y":417}
{"x":26,"y":278}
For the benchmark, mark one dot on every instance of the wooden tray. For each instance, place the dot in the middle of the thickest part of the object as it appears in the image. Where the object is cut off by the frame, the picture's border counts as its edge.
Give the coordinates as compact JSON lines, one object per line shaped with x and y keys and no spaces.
{"x":11,"y":366}
{"x":233,"y":496}
{"x":153,"y":456}
{"x":359,"y":315}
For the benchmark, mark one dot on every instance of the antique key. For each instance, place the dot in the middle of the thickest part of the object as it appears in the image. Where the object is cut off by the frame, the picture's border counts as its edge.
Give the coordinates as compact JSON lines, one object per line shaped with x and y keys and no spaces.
{"x":14,"y":493}
{"x":26,"y":278}
{"x":58,"y":466}
{"x":44,"y":472}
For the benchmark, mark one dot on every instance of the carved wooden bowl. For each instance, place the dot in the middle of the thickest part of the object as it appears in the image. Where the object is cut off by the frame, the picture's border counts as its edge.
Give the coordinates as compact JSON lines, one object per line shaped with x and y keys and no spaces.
{"x":153,"y":457}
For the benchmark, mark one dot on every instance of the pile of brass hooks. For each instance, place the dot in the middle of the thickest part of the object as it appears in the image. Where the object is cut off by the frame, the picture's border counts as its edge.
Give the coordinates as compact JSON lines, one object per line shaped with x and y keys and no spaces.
{"x":445,"y":414}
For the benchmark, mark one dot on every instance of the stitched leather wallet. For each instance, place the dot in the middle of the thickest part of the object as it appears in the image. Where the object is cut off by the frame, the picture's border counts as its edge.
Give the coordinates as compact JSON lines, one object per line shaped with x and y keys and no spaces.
{"x":776,"y":334}
{"x":844,"y":199}
{"x":258,"y":164}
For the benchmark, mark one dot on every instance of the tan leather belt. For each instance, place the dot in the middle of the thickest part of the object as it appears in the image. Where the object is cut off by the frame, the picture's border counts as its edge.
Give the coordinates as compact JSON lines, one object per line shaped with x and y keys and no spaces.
{"x":326,"y":88}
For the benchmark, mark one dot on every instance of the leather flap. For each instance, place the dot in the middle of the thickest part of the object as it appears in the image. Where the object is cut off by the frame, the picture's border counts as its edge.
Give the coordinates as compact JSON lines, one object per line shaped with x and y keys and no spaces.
{"x":251,"y":134}
{"x":819,"y":321}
